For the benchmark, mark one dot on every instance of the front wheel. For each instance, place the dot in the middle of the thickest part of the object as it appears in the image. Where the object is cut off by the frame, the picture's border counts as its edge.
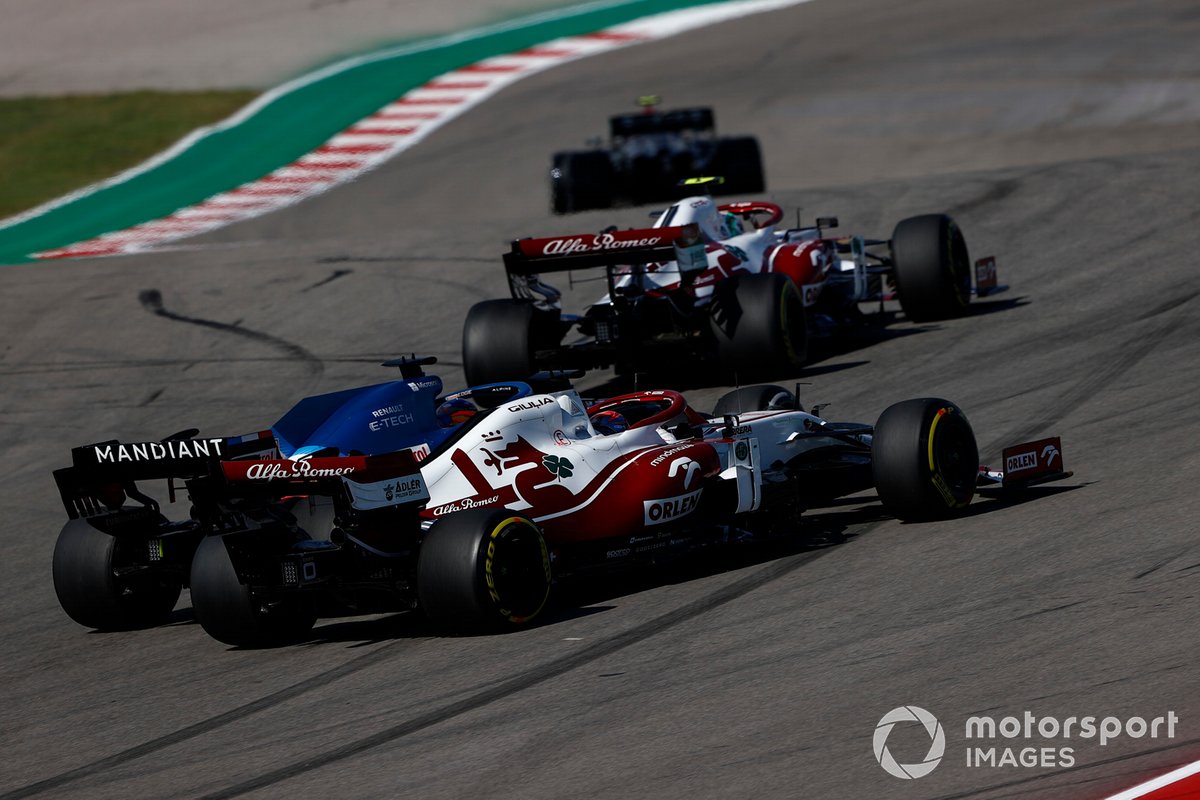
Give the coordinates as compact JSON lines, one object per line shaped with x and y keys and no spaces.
{"x":483,"y":569}
{"x":105,"y":583}
{"x":924,"y":459}
{"x":932,"y":268}
{"x":231,"y":612}
{"x":759,"y":324}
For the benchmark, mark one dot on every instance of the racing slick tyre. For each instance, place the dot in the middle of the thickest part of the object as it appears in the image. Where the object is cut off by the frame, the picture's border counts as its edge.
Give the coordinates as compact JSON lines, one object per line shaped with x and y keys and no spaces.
{"x":648,"y":179}
{"x":932,"y":267}
{"x":499,"y":339}
{"x":739,"y":162}
{"x":579,"y":181}
{"x":483,"y":570}
{"x":759,"y":324}
{"x":230,"y":612}
{"x":97,"y":592}
{"x":754,"y":398}
{"x":924,"y":459}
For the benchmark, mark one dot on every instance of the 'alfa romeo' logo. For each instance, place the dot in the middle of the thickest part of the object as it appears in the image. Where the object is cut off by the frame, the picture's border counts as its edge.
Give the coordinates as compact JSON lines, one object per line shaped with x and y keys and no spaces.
{"x":937,"y":746}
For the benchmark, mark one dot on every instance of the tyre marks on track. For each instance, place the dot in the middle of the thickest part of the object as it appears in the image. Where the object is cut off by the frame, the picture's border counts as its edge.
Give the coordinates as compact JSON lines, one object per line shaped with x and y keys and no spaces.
{"x":151,"y":300}
{"x":333,"y":276}
{"x":775,"y":570}
{"x":1074,"y":397}
{"x":1125,"y":358}
{"x":1071,"y":399}
{"x":757,"y":579}
{"x":1170,"y":305}
{"x":1118,"y":363}
{"x":264,"y":703}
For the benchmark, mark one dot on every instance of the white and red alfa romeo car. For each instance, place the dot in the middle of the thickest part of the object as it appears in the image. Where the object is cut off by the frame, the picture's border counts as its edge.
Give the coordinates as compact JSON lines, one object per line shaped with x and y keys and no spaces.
{"x":714,"y":283}
{"x":471,"y":505}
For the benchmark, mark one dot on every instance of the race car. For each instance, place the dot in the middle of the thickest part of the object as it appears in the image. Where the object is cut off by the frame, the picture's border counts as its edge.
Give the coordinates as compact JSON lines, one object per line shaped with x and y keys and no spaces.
{"x":119,"y":565}
{"x":648,"y":154}
{"x":527,"y":488}
{"x":718,"y":283}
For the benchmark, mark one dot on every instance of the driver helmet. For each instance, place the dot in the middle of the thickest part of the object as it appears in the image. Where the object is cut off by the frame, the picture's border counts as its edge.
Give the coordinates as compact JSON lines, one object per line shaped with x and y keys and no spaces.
{"x":733,"y":225}
{"x":455,"y":412}
{"x":703,"y":211}
{"x":609,"y":422}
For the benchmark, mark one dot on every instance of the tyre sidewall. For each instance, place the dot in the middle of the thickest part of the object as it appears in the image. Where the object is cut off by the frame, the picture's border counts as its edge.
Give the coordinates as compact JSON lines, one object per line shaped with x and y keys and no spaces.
{"x":561,"y":200}
{"x":87,"y":588}
{"x":228,"y":610}
{"x":739,"y":161}
{"x":462,"y":571}
{"x":759,"y":324}
{"x":499,"y":338}
{"x":585,"y":181}
{"x":932,"y":267}
{"x":221,"y":603}
{"x":924,"y":459}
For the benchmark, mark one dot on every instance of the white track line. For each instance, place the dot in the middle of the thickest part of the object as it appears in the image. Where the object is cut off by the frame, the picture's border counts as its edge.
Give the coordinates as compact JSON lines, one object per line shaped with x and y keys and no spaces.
{"x":391,"y":130}
{"x":1161,"y":782}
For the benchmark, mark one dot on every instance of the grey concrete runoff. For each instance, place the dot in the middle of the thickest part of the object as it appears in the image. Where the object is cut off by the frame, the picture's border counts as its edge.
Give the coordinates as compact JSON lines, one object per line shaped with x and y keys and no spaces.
{"x":1064,"y":137}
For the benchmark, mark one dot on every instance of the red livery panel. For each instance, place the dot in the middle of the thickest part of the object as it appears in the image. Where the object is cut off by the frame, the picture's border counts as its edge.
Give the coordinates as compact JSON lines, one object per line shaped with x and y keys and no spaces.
{"x":1033,"y":462}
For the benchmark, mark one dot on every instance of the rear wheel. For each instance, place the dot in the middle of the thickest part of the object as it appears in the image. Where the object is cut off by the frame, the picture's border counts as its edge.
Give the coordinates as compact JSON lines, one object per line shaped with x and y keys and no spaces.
{"x":105,"y":583}
{"x":932,"y":267}
{"x":649,"y":178}
{"x":924,"y":459}
{"x":231,"y":612}
{"x":499,"y":339}
{"x":754,"y":398}
{"x":580,"y":181}
{"x":739,"y":162}
{"x":759,"y":324}
{"x":483,"y":569}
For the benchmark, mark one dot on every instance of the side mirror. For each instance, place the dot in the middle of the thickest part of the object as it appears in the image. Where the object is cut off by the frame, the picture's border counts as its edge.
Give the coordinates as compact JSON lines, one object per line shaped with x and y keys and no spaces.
{"x":729,"y":423}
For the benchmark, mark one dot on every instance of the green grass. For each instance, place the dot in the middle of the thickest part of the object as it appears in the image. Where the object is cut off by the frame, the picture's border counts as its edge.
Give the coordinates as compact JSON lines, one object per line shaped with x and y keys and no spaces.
{"x":52,"y":145}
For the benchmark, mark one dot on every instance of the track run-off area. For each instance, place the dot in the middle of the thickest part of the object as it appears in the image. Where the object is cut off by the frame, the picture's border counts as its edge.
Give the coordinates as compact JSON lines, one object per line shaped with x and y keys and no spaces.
{"x":265,"y":157}
{"x":1064,"y":138}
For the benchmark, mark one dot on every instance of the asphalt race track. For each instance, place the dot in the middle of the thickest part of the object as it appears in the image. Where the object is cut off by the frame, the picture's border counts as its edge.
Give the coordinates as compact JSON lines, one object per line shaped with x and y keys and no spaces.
{"x":1064,"y":137}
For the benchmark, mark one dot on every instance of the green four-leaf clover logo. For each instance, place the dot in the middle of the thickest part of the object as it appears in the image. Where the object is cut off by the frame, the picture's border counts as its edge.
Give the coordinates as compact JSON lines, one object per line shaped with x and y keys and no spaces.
{"x":561,"y":467}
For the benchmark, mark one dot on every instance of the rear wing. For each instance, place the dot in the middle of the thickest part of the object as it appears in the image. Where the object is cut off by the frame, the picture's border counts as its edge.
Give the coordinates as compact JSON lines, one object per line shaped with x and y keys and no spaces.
{"x":219,"y":470}
{"x":101,"y":475}
{"x":169,"y":458}
{"x":586,"y":250}
{"x":676,"y":121}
